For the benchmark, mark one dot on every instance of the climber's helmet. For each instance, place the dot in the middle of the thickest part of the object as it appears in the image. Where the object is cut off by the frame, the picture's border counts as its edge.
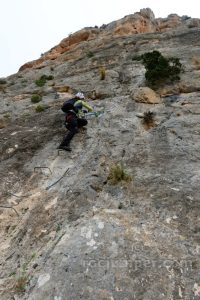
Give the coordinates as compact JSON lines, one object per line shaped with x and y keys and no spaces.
{"x":80,"y":95}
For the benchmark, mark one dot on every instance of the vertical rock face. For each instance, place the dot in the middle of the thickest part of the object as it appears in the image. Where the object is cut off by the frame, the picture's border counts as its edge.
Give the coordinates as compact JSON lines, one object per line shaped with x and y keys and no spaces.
{"x":118,"y":217}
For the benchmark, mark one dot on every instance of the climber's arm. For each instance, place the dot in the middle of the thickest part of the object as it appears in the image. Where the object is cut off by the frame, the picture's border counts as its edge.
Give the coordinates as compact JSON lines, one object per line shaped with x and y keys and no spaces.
{"x":87,"y":106}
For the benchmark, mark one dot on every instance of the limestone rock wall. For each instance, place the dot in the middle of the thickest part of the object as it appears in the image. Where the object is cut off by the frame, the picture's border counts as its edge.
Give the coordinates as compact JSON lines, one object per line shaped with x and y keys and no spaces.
{"x":68,"y":232}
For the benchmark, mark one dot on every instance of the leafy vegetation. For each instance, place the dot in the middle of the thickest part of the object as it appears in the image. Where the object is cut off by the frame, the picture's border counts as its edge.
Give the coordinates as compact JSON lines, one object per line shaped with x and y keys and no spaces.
{"x":40,"y":108}
{"x":160,"y":69}
{"x":47,"y":77}
{"x":36,"y":98}
{"x":40,"y":82}
{"x":43,"y":79}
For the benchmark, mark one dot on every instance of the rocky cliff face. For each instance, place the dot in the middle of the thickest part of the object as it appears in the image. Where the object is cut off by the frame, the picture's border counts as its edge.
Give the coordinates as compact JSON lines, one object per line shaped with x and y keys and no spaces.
{"x":140,"y":22}
{"x":67,"y":231}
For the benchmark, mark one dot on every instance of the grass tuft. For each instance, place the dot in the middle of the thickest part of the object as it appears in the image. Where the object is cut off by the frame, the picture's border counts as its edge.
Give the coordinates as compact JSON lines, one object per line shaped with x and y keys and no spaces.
{"x":118,"y":174}
{"x":20,"y":285}
{"x":102,"y":72}
{"x":148,"y":120}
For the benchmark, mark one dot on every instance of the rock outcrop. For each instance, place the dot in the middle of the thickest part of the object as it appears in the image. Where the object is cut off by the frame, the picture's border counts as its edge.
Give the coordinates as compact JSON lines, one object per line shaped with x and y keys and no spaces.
{"x":140,"y":22}
{"x":70,"y":226}
{"x":145,"y":95}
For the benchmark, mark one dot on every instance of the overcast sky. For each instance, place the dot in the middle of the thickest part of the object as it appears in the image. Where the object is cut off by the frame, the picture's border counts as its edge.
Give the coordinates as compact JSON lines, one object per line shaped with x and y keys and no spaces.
{"x":31,"y":27}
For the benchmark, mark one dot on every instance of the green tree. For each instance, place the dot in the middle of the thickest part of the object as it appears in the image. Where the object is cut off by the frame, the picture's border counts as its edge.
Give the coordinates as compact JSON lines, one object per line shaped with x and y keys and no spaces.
{"x":159,"y":68}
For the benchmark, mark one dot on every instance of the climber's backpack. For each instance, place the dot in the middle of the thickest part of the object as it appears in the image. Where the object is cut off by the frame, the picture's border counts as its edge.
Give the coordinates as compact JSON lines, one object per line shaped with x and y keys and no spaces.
{"x":68,"y":105}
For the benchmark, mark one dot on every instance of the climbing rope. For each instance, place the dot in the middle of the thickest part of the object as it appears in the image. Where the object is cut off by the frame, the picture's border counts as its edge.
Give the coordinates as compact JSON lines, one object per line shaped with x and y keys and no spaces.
{"x":48,"y":187}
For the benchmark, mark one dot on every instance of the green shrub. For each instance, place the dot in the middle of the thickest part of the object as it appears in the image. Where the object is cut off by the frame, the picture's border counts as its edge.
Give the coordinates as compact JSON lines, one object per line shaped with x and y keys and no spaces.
{"x":40,"y":82}
{"x":47,"y":77}
{"x":117,"y":174}
{"x":36,"y":98}
{"x":40,"y":108}
{"x":43,"y":79}
{"x":160,"y":69}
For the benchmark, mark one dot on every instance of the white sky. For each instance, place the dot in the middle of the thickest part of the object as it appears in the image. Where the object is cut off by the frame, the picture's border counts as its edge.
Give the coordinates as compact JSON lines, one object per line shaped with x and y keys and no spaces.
{"x":31,"y":27}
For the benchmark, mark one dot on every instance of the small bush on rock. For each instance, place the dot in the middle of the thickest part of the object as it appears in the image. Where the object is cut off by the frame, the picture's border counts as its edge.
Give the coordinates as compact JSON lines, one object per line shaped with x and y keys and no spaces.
{"x":40,"y":108}
{"x":47,"y":77}
{"x":41,"y":82}
{"x":36,"y":98}
{"x":160,"y":69}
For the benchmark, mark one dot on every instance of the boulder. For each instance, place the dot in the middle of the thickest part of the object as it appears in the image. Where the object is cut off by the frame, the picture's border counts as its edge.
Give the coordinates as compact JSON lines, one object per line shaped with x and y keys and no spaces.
{"x":145,"y":95}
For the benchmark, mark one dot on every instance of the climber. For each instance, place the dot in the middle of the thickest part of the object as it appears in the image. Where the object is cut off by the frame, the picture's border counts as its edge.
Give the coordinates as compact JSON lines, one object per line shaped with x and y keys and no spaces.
{"x":74,"y":118}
